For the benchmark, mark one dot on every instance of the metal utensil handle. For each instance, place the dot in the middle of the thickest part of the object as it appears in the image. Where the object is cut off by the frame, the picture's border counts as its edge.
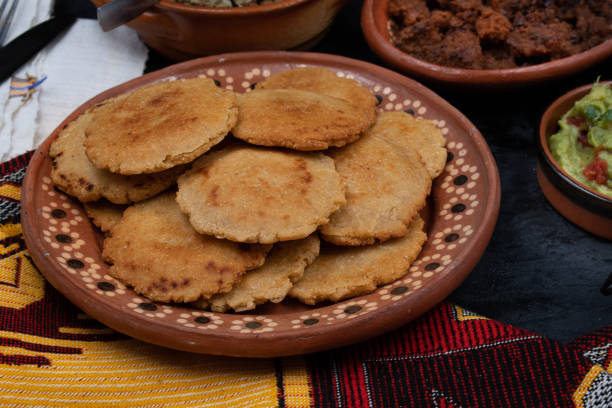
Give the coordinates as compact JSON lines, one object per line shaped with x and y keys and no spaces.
{"x":118,"y":12}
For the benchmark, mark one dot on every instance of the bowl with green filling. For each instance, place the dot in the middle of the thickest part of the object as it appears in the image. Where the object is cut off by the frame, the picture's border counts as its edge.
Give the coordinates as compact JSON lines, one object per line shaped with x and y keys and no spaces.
{"x":575,"y":160}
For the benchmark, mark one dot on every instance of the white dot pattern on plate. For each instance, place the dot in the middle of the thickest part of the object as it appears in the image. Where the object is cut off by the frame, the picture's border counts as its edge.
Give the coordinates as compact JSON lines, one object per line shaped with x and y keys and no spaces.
{"x":254,"y":324}
{"x":456,"y":208}
{"x":351,"y":309}
{"x":201,"y":320}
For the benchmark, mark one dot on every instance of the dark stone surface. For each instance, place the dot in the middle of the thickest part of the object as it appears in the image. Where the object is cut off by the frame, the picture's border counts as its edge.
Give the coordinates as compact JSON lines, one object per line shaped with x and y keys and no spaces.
{"x":539,"y":272}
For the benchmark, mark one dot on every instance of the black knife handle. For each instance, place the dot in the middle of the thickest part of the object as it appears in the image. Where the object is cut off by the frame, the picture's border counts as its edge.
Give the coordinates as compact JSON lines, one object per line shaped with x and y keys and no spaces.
{"x":19,"y":51}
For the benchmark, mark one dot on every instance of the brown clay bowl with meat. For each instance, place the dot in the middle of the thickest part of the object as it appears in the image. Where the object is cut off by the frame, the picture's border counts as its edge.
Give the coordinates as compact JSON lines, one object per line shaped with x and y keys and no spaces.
{"x":376,"y":26}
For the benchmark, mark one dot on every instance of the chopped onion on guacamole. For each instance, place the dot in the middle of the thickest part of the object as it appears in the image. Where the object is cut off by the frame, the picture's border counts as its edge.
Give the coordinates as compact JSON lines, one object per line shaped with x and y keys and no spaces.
{"x":583,"y":144}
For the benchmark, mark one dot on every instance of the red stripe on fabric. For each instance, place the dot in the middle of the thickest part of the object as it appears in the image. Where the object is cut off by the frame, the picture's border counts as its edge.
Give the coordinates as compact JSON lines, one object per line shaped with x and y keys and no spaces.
{"x":533,"y":370}
{"x":421,"y":342}
{"x":558,"y":351}
{"x":19,"y":359}
{"x":437,"y":374}
{"x":345,"y":373}
{"x":471,"y":334}
{"x":498,"y":383}
{"x":7,"y":342}
{"x":489,"y":379}
{"x":16,"y":164}
{"x":400,"y":336}
{"x":411,"y":342}
{"x":519,"y":369}
{"x":446,"y":320}
{"x":349,"y":386}
{"x":450,"y":326}
{"x":397,"y":344}
{"x":434,"y":336}
{"x":482,"y":332}
{"x":361,"y":395}
{"x":429,"y":332}
{"x":466,"y":381}
{"x":493,"y":331}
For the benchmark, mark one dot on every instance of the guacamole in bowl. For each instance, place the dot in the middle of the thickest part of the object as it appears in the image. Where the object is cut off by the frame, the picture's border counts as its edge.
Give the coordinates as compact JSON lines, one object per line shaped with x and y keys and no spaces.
{"x":583,"y":145}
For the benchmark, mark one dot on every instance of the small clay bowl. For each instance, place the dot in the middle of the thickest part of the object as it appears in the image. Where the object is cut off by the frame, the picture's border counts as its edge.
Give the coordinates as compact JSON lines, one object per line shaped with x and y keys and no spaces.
{"x":181,"y":31}
{"x":375,"y":26}
{"x":578,"y":203}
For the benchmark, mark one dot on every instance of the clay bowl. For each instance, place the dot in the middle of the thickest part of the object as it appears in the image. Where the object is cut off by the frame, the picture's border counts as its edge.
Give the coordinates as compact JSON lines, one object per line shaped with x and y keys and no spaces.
{"x":462,"y":212}
{"x":180,"y":31}
{"x":375,"y":26}
{"x":578,"y":203}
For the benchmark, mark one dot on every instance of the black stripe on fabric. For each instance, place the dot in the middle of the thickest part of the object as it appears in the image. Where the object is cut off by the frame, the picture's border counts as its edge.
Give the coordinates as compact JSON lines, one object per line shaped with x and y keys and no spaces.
{"x":12,"y":172}
{"x":280,"y":394}
{"x":9,"y":212}
{"x":322,"y":380}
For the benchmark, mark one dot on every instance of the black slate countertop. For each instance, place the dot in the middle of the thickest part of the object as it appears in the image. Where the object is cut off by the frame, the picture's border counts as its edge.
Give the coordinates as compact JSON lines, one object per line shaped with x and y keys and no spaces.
{"x":539,"y":272}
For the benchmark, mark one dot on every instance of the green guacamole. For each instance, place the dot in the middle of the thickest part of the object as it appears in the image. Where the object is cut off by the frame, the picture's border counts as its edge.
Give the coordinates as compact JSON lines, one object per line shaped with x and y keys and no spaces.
{"x":583,"y":144}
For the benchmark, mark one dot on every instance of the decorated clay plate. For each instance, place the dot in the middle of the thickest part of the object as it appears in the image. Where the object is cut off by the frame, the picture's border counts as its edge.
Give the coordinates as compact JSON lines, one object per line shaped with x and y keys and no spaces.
{"x":461,"y":215}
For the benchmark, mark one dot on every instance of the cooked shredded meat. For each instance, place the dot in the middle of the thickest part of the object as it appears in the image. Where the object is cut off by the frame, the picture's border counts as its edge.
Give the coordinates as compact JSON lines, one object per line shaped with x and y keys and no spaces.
{"x":225,"y":3}
{"x":495,"y":34}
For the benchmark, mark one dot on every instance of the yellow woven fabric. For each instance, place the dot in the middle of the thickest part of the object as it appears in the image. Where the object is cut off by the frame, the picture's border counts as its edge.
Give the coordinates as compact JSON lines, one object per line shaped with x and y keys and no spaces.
{"x":129,"y":373}
{"x":53,"y":355}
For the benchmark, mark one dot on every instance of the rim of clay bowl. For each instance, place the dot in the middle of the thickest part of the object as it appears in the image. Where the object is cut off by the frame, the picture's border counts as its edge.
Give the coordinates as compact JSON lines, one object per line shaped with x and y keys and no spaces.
{"x":257,"y":9}
{"x":194,"y":9}
{"x":579,"y":192}
{"x":375,"y":26}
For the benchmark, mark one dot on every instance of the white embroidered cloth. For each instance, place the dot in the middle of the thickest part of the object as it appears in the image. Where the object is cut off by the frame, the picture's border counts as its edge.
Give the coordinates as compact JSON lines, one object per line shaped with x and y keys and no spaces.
{"x":78,"y":64}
